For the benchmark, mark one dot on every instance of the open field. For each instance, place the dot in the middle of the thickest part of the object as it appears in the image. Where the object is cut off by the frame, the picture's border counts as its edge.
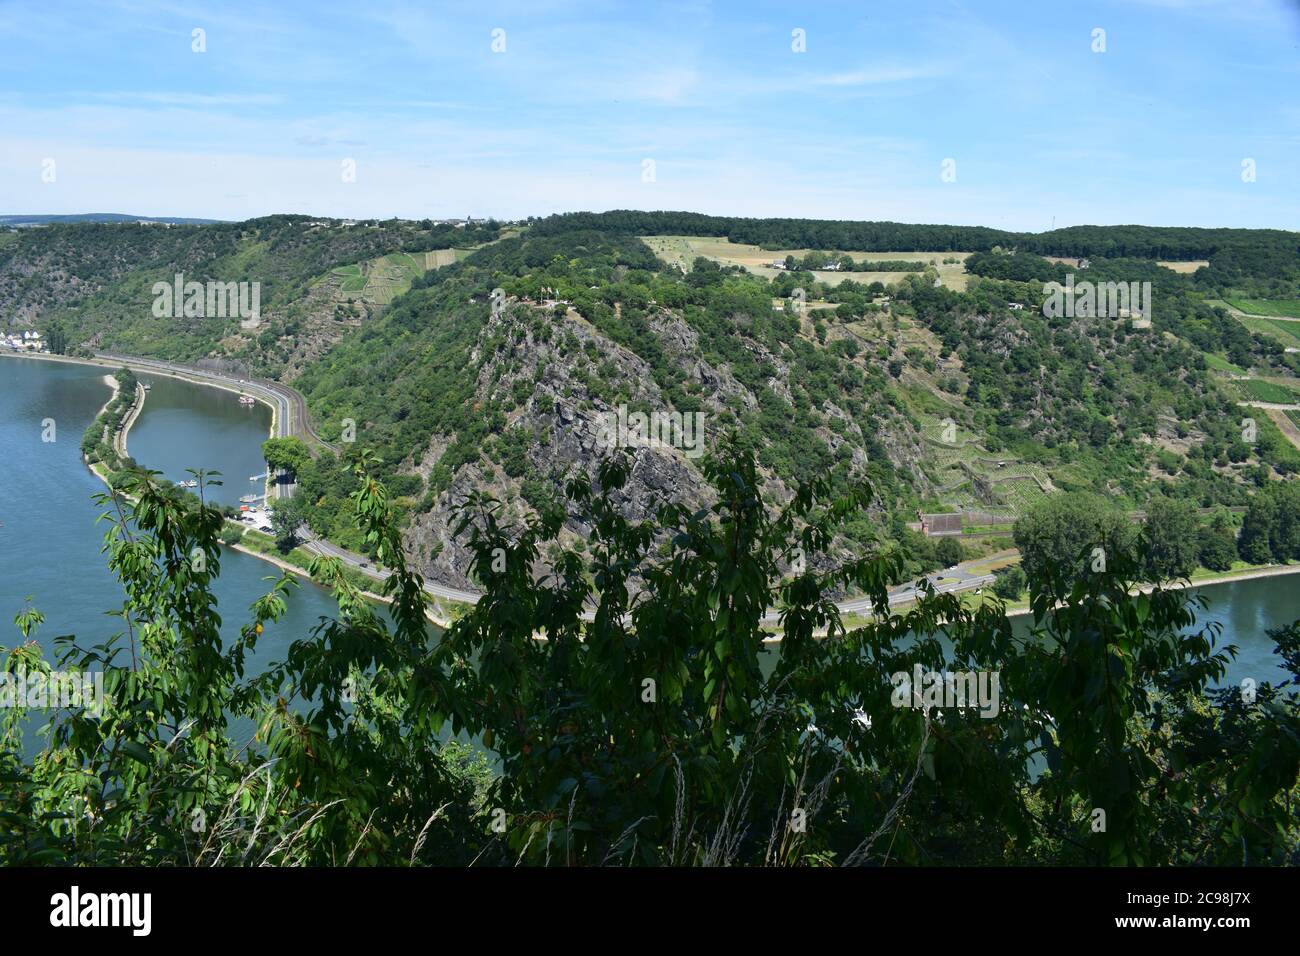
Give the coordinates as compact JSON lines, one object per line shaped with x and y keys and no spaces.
{"x":1220,"y":364}
{"x":683,"y":250}
{"x":1281,"y":331}
{"x":1184,"y":268}
{"x":1289,"y":308}
{"x":1256,"y":390}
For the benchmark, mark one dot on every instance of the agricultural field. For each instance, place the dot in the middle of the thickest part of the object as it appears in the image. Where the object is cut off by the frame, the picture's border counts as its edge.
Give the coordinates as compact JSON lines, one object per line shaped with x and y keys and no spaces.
{"x":1257,"y":390}
{"x":683,"y":250}
{"x":1184,"y":268}
{"x":1279,"y":330}
{"x":384,"y":279}
{"x":1289,"y":308}
{"x":1220,"y":364}
{"x":1288,"y":330}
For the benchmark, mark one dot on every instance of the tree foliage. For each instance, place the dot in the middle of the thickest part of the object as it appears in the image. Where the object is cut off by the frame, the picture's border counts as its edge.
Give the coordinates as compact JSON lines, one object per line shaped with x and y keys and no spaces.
{"x":660,"y":728}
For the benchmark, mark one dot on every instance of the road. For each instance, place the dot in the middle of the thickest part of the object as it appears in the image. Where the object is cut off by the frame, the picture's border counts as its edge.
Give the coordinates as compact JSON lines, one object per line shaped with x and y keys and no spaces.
{"x":292,"y":419}
{"x":953,"y":579}
{"x":358,"y":562}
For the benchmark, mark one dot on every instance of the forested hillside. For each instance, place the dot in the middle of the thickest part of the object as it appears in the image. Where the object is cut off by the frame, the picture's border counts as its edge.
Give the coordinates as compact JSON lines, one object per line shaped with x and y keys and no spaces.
{"x":471,"y":415}
{"x":494,"y":374}
{"x":95,"y":281}
{"x":836,"y":382}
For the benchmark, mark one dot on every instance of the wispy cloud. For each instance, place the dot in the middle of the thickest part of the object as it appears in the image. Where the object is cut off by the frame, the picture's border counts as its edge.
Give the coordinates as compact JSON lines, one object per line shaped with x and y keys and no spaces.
{"x":188,"y":99}
{"x":736,"y":120}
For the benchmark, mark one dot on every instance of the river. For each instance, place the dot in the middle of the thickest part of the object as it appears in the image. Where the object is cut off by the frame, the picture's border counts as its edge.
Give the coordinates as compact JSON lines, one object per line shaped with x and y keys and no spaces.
{"x":49,"y":539}
{"x":184,"y":425}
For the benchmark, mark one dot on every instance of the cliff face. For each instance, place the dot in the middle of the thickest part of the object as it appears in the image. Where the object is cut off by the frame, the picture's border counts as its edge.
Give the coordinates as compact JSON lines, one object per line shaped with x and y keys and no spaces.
{"x":568,"y":388}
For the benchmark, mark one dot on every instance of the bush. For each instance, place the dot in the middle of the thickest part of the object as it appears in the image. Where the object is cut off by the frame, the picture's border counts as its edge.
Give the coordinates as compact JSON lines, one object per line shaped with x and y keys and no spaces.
{"x":1009,"y":583}
{"x":948,"y":551}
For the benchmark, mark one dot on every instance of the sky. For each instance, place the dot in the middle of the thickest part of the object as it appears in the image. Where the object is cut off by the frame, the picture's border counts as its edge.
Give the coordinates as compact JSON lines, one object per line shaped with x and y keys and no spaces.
{"x":1016,"y":115}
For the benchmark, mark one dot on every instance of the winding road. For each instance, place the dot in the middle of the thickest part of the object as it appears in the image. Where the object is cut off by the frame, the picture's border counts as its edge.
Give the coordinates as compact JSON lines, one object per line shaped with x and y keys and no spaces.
{"x":291,"y":419}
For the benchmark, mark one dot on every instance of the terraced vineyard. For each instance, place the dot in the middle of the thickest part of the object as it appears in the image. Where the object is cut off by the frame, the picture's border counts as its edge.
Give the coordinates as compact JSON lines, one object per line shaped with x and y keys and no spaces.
{"x":969,"y":476}
{"x":384,"y":279}
{"x":1284,"y":307}
{"x":1256,"y":390}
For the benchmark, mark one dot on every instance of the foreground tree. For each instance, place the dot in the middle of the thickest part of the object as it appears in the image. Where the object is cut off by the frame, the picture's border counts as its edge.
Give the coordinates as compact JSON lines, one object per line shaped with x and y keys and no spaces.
{"x":637,"y":710}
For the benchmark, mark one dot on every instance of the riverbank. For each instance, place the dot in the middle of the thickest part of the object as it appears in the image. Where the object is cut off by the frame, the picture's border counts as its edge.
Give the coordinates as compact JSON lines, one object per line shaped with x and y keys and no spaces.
{"x":149,"y":367}
{"x":119,"y":440}
{"x":1022,"y":608}
{"x":285,"y":564}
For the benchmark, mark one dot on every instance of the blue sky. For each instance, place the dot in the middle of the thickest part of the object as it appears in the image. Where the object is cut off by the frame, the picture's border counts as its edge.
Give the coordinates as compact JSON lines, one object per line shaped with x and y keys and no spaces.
{"x":1039,"y":126}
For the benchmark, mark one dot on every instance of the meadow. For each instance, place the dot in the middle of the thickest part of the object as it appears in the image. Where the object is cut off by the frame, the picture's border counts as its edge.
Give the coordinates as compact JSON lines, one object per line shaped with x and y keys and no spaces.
{"x":682,"y":250}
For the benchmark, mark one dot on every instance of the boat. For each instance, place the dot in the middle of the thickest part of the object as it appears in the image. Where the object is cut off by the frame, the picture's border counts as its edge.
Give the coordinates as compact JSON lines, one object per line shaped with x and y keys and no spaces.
{"x":247,"y":400}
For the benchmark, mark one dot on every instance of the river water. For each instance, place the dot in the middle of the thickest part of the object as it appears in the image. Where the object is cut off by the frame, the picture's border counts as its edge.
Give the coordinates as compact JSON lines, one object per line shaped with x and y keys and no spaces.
{"x":49,"y":538}
{"x":184,"y":425}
